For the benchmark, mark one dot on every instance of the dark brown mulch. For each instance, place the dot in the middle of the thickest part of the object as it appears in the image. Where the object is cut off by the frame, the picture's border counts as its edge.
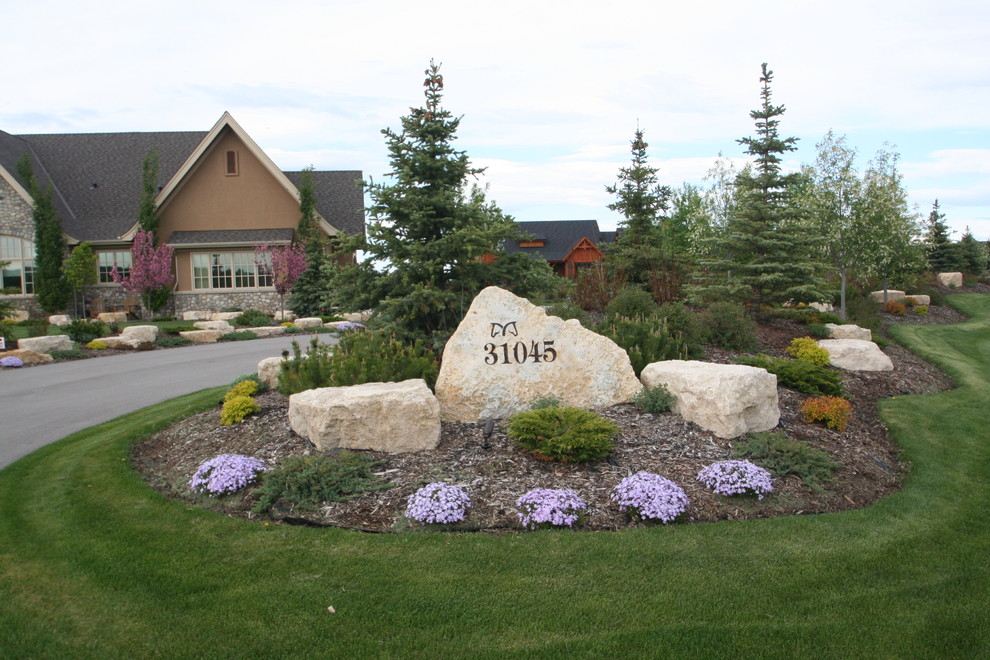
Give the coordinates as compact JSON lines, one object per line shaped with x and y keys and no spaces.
{"x":495,"y":473}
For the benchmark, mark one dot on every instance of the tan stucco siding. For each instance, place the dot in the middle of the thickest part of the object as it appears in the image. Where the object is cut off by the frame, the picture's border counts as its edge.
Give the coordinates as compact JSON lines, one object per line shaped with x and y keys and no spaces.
{"x":209,"y":199}
{"x":183,"y":271}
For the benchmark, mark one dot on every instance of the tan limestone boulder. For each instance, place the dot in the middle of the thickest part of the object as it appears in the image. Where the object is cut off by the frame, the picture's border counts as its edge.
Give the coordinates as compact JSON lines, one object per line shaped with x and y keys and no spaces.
{"x":268,"y":371}
{"x":856,"y":355}
{"x":950,"y":279}
{"x":28,"y":357}
{"x":17,"y":315}
{"x":357,"y":317}
{"x":202,"y":336}
{"x":222,"y":326}
{"x":197,"y":315}
{"x":122,"y":343}
{"x":389,"y":417}
{"x":287,"y":315}
{"x":142,"y":333}
{"x":46,"y":344}
{"x":224,"y":316}
{"x":508,"y":352}
{"x":920,"y":299}
{"x":309,"y":322}
{"x":269,"y":331}
{"x":727,"y":399}
{"x":848,"y":331}
{"x":112,"y":317}
{"x":892,"y":295}
{"x":61,"y":320}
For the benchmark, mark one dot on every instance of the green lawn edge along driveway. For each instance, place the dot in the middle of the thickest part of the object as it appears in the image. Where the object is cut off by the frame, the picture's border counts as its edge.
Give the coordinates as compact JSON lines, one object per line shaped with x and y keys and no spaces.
{"x":93,"y":564}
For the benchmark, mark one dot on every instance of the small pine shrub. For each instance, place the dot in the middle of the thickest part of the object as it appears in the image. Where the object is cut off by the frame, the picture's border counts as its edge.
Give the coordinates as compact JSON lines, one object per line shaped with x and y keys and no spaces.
{"x":645,"y":339}
{"x":833,"y":411}
{"x":568,"y":310}
{"x":569,"y":435}
{"x":241,"y":335}
{"x":894,"y":308}
{"x":171,"y":341}
{"x":819,"y":331}
{"x":97,"y":345}
{"x":241,"y":388}
{"x":546,"y":401}
{"x":807,"y":349}
{"x":253,"y":318}
{"x":306,"y":482}
{"x":237,"y":408}
{"x":728,"y":326}
{"x":784,"y":456}
{"x":799,"y":375}
{"x":83,"y":331}
{"x":655,"y":399}
{"x":921,"y":309}
{"x":632,"y":303}
{"x":685,"y":322}
{"x":68,"y":354}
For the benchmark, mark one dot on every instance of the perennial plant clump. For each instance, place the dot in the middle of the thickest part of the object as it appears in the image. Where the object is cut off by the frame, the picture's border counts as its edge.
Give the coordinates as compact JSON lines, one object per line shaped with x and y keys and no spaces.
{"x":807,"y":349}
{"x":648,"y":496}
{"x":547,"y":507}
{"x":236,"y":408}
{"x":11,"y":362}
{"x":226,"y":473}
{"x":832,"y":411}
{"x":438,"y":502}
{"x":735,"y":478}
{"x":350,"y":325}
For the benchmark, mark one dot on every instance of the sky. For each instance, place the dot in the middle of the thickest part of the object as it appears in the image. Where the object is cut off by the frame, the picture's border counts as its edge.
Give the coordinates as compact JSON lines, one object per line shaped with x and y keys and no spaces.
{"x":550,"y":93}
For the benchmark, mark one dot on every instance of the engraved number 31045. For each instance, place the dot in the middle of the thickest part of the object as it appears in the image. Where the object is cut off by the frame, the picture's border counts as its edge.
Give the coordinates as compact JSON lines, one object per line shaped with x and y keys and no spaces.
{"x":518,"y":352}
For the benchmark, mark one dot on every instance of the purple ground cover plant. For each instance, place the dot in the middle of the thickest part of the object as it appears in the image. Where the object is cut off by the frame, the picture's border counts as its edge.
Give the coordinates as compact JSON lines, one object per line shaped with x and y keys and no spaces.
{"x":438,"y":502}
{"x":546,"y":507}
{"x":349,"y":325}
{"x":649,"y":496}
{"x":735,"y":478}
{"x":226,"y":473}
{"x":11,"y":361}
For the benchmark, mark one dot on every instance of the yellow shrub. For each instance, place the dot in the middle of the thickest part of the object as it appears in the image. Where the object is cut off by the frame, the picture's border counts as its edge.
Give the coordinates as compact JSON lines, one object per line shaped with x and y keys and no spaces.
{"x":97,"y":345}
{"x":237,"y":408}
{"x":243,"y":388}
{"x":833,"y":411}
{"x":807,"y":349}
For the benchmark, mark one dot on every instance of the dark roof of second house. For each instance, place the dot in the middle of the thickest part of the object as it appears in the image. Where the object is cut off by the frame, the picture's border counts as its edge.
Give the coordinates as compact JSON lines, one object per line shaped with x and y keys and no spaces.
{"x":559,"y":237}
{"x":96,"y":178}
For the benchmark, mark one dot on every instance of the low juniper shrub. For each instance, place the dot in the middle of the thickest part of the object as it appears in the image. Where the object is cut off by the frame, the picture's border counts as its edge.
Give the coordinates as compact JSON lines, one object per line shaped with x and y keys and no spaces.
{"x":546,"y":507}
{"x":736,"y":477}
{"x":832,"y":411}
{"x":807,"y":349}
{"x":798,"y":374}
{"x":569,"y":435}
{"x":236,"y":408}
{"x":819,"y":331}
{"x":226,"y":473}
{"x":921,"y":309}
{"x":239,"y":335}
{"x":253,"y":318}
{"x":68,"y":354}
{"x":647,"y":497}
{"x":171,"y":341}
{"x":784,"y":457}
{"x":568,"y":310}
{"x":438,"y":503}
{"x":655,"y":400}
{"x":307,"y":482}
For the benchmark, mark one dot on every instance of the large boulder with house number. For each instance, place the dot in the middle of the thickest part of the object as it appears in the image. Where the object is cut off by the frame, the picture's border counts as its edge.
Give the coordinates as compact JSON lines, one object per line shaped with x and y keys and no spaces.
{"x":727,"y":399}
{"x":508,"y":352}
{"x":389,"y":417}
{"x":856,"y":355}
{"x":46,"y":344}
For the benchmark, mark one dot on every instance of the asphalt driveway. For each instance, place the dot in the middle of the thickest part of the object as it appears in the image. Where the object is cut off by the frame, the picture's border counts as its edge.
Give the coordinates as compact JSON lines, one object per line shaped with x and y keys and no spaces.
{"x":39,"y":405}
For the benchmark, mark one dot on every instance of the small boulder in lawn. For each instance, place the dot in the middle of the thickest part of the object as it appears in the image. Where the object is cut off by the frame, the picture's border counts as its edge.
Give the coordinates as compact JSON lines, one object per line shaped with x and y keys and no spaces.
{"x":112,"y":317}
{"x":856,"y":355}
{"x":224,"y":316}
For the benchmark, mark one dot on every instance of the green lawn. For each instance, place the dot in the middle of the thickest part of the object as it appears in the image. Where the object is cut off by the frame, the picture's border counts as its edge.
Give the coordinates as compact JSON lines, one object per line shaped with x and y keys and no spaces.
{"x":93,"y":564}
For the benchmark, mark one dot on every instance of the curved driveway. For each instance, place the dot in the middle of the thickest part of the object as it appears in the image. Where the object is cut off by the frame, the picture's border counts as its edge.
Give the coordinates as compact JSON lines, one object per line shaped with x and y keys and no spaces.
{"x":42,"y":404}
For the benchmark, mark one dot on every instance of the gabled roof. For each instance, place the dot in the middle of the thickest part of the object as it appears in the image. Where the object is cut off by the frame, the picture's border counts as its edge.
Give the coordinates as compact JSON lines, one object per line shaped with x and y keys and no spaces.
{"x":559,"y":237}
{"x":96,"y":177}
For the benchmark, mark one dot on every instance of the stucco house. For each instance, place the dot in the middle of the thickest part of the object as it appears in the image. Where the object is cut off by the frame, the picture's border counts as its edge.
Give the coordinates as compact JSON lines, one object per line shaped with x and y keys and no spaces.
{"x":566,"y":244}
{"x":219,"y":196}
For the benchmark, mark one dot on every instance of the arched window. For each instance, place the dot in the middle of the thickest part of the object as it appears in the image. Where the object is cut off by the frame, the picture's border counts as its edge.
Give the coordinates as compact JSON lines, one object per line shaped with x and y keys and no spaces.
{"x":18,"y":271}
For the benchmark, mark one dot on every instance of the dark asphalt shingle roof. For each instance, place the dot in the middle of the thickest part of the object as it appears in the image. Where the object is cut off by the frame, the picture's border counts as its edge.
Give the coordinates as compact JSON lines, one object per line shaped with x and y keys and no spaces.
{"x":252,"y":236}
{"x":559,"y":236}
{"x":97,"y":178}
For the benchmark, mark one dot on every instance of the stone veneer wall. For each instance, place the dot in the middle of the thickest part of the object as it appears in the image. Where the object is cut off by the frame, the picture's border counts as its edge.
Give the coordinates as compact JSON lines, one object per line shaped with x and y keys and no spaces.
{"x":16,"y":219}
{"x":185,"y":301}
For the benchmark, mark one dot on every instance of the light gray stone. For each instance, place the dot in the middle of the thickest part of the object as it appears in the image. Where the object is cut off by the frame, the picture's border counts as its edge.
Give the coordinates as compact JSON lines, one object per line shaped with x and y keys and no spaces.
{"x":141,"y":333}
{"x":856,"y":355}
{"x":287,"y":315}
{"x":950,"y":279}
{"x":920,"y":299}
{"x":46,"y":344}
{"x":508,"y":352}
{"x":389,"y":417}
{"x":224,"y":316}
{"x":221,"y":326}
{"x":822,"y":307}
{"x":197,"y":315}
{"x":112,"y":317}
{"x":726,"y":399}
{"x":892,"y":295}
{"x":268,"y":370}
{"x":124,"y":343}
{"x":202,"y":336}
{"x":357,"y":317}
{"x":309,"y":322}
{"x":59,"y":319}
{"x":269,"y":330}
{"x":848,"y":331}
{"x":17,"y":316}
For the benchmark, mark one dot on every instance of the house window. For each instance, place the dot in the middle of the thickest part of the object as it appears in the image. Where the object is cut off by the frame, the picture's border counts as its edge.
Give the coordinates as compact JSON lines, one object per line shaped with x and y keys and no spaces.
{"x":18,"y":272}
{"x":119,"y":258}
{"x":230,"y":162}
{"x":228,"y":270}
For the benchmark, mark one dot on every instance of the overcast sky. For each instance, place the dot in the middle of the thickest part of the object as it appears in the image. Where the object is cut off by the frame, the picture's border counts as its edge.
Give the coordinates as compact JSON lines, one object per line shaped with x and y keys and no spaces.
{"x":550,"y":92}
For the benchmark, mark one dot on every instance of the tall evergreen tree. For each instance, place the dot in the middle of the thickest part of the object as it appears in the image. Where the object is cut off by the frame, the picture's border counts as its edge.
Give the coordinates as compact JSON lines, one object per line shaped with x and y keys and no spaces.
{"x":764,"y":255}
{"x":147,"y":210}
{"x":80,"y":270}
{"x":429,"y":236}
{"x":971,"y":254}
{"x":309,"y":293}
{"x":50,"y":288}
{"x":943,"y":254}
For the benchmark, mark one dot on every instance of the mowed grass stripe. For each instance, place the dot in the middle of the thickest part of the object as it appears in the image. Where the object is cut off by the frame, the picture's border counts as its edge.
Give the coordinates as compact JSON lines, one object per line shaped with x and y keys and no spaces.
{"x":94,"y":564}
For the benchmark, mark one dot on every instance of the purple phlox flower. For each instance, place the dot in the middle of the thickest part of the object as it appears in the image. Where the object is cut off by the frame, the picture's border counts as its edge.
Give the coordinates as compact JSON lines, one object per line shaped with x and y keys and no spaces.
{"x":650,"y":497}
{"x":438,"y":502}
{"x":226,"y":473}
{"x":11,"y":361}
{"x":736,"y":477}
{"x":350,"y":325}
{"x":546,"y":506}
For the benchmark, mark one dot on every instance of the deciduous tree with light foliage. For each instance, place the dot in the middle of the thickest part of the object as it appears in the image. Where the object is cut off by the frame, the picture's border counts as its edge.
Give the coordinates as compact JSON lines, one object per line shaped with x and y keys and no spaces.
{"x":284,"y":264}
{"x":150,"y":273}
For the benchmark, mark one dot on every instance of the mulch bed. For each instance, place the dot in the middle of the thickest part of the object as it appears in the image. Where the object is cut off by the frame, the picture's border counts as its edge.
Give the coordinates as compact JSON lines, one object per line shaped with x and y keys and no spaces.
{"x":495,"y":473}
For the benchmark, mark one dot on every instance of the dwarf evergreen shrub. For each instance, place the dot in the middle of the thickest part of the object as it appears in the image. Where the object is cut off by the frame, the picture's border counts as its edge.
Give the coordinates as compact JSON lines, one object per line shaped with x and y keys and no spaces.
{"x":253,"y":318}
{"x":799,"y":375}
{"x":236,"y":408}
{"x":806,"y":348}
{"x":241,"y":388}
{"x":569,"y":435}
{"x":83,"y":331}
{"x":306,"y":482}
{"x":728,"y":326}
{"x":784,"y":456}
{"x":632,"y":302}
{"x":655,"y":399}
{"x":645,"y":339}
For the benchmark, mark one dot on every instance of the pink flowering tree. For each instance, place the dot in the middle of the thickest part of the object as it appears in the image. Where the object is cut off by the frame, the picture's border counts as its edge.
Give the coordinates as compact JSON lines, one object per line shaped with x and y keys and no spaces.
{"x":284,"y":263}
{"x":151,"y":272}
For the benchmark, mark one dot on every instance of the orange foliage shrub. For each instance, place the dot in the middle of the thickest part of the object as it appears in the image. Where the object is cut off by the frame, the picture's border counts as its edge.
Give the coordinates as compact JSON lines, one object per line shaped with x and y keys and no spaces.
{"x":833,"y":411}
